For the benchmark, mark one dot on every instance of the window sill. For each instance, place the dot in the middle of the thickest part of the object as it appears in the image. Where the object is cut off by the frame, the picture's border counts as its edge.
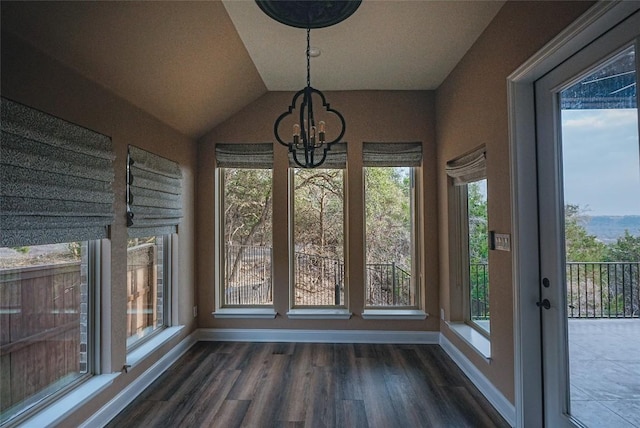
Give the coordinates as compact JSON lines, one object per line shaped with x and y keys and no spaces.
{"x":144,"y":350}
{"x":319,"y":314}
{"x":474,"y":339}
{"x":391,"y":314}
{"x":245,"y":313}
{"x":70,"y":402}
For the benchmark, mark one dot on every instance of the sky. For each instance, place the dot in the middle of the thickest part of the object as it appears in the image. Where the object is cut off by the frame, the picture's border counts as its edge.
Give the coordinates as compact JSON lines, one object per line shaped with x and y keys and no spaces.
{"x":601,"y":161}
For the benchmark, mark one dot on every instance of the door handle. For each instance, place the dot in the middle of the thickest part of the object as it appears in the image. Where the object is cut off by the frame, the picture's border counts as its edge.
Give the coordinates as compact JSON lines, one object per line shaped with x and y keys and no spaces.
{"x":544,"y":304}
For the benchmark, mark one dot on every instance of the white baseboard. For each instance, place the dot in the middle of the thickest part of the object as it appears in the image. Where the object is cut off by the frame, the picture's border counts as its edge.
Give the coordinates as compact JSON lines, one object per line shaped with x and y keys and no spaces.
{"x":318,"y":336}
{"x":491,"y":393}
{"x":117,"y":404}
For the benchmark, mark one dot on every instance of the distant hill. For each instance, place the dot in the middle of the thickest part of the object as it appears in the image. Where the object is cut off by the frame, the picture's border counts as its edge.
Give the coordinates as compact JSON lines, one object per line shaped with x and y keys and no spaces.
{"x":608,"y":228}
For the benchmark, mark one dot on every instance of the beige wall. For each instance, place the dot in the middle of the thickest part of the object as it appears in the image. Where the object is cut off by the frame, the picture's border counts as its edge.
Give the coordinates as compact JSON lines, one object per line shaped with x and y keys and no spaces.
{"x":471,"y":110}
{"x":371,"y":116}
{"x":34,"y":79}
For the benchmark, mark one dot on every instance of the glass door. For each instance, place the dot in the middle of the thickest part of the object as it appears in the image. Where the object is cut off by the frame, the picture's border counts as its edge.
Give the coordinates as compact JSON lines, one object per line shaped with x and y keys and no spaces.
{"x":589,"y":212}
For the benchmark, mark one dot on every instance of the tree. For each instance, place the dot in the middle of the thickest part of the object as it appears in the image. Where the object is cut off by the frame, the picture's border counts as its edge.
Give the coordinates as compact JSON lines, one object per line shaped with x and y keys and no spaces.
{"x":478,"y":224}
{"x":388,"y":215}
{"x":580,"y":246}
{"x":625,"y":249}
{"x":319,"y":212}
{"x":478,"y":250}
{"x":623,"y":275}
{"x":247,"y":212}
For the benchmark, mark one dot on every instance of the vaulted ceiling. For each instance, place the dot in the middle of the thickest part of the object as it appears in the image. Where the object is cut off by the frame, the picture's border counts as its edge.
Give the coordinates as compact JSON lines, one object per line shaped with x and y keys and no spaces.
{"x":194,"y":64}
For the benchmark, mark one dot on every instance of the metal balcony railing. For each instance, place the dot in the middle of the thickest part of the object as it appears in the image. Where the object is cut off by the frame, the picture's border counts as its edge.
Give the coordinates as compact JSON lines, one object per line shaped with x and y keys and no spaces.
{"x":479,"y":291}
{"x":594,"y":290}
{"x":319,"y":280}
{"x":388,"y":285}
{"x":603,"y":290}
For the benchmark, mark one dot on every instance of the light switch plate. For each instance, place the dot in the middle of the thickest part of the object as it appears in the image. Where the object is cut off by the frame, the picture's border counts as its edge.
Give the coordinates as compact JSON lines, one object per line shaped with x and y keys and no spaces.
{"x":502,"y":241}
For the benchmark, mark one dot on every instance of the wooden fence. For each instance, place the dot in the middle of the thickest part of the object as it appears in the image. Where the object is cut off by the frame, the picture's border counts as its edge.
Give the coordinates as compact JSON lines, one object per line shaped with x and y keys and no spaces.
{"x":40,"y":329}
{"x":142,"y":296}
{"x":43,"y":322}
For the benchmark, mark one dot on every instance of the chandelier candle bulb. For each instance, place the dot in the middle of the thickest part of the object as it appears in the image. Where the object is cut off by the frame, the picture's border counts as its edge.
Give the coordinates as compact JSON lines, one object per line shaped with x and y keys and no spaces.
{"x":321,"y":131}
{"x":296,"y":134}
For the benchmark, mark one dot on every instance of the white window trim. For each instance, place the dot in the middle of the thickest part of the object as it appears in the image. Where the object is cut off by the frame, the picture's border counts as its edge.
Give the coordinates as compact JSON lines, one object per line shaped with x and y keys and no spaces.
{"x":477,"y":341}
{"x":139,"y":353}
{"x":60,"y":409}
{"x":319,"y":314}
{"x":245,"y":313}
{"x":394,"y":313}
{"x":461,"y":323}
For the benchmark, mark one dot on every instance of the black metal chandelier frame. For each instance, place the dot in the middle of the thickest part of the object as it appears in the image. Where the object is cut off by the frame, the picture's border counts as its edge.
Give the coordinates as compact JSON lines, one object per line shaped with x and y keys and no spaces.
{"x":308,"y":145}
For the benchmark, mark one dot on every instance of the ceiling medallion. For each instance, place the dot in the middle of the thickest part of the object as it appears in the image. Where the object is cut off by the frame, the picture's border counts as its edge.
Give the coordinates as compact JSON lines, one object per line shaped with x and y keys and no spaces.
{"x":309,"y":13}
{"x":308,"y":144}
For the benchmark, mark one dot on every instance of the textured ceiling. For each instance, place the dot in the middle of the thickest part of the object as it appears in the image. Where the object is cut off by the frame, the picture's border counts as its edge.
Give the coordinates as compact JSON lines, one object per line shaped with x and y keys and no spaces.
{"x":194,"y":64}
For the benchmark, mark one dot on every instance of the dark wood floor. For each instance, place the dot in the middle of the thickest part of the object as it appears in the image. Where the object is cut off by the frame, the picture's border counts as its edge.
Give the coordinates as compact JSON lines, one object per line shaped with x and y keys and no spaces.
{"x":311,"y":385}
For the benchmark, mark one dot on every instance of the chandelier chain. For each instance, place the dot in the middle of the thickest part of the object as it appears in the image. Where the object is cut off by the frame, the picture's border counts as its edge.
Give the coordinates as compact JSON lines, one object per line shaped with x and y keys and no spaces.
{"x":308,"y":56}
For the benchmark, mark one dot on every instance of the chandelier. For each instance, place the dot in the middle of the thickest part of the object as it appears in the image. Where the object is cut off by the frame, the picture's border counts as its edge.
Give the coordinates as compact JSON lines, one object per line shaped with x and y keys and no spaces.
{"x":308,"y":142}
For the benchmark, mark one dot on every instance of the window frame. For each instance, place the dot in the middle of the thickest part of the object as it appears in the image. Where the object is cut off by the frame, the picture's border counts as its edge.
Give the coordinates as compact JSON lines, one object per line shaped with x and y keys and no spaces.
{"x":462,"y":171}
{"x":41,"y":400}
{"x":463,"y":260}
{"x":222,"y":309}
{"x":416,"y":283}
{"x":316,"y":311}
{"x":167,"y":292}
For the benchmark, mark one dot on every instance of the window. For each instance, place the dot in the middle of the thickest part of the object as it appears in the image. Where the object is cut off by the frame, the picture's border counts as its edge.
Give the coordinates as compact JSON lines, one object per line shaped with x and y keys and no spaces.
{"x":318,"y":237}
{"x":46,"y":316}
{"x":154,"y":210}
{"x":391,"y":219}
{"x":470,"y":244}
{"x":57,"y":203}
{"x":477,"y":244}
{"x":147,"y":286}
{"x":244,"y":228}
{"x":246,"y":217}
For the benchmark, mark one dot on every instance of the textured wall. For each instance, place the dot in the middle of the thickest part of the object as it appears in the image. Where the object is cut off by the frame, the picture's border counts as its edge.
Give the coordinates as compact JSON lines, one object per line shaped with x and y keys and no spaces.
{"x":34,"y":79}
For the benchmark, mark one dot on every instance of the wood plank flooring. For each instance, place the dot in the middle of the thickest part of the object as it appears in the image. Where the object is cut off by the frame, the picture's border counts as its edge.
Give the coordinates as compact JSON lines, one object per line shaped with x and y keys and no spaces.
{"x":230,"y":384}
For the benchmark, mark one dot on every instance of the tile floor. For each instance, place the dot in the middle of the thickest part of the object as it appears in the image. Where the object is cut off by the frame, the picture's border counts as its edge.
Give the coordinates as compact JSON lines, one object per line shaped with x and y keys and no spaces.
{"x":605,"y":372}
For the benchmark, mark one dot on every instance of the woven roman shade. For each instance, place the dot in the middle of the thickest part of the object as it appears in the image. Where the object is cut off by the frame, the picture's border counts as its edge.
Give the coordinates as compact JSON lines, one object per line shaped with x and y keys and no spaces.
{"x":154,"y":194}
{"x":55,"y":179}
{"x":392,"y":154}
{"x":468,"y":168}
{"x":336,"y":157}
{"x":258,"y":156}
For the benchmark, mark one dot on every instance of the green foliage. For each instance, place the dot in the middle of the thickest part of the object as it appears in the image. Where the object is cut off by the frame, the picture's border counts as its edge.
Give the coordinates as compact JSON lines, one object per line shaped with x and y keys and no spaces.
{"x":478,"y":224}
{"x":75,"y":249}
{"x":580,"y":246}
{"x":625,"y":249}
{"x":478,"y":250}
{"x":21,"y":250}
{"x":319,"y":211}
{"x":388,"y":215}
{"x":247,"y":205}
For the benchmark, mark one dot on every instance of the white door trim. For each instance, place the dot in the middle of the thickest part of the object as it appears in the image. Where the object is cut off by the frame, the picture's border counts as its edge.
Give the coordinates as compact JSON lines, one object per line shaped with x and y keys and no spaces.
{"x":522,"y":144}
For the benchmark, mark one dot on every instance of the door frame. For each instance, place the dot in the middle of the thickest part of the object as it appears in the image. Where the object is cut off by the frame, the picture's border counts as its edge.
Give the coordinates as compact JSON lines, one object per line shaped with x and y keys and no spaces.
{"x":524,"y":206}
